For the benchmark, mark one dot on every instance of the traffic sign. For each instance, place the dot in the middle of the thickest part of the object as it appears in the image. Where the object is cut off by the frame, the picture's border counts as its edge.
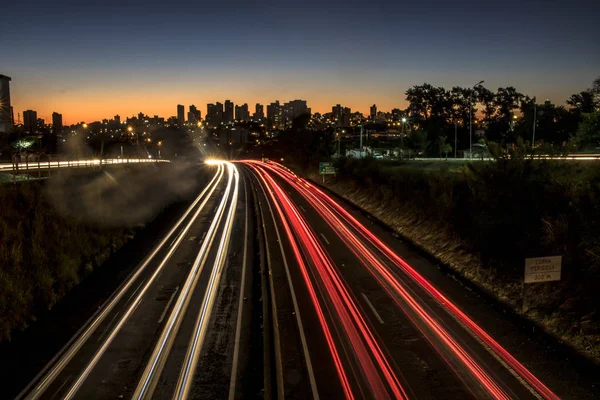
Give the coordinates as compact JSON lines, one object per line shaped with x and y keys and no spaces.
{"x":326,"y":168}
{"x":542,"y":269}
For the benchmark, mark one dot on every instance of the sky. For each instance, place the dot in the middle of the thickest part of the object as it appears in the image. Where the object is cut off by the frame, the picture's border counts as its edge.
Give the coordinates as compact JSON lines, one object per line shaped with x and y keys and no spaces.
{"x":92,"y":61}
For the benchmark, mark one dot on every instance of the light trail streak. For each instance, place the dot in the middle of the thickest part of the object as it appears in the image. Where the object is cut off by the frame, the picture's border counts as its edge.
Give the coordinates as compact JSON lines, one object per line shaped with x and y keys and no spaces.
{"x":314,"y":299}
{"x":355,"y":326}
{"x":454,"y":310}
{"x":184,"y":383}
{"x":155,"y":365}
{"x":379,"y":271}
{"x":77,"y":384}
{"x":82,"y":336}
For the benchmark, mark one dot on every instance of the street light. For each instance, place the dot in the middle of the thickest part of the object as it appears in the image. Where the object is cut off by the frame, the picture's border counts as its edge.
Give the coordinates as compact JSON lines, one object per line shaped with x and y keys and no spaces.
{"x":470,"y":119}
{"x":402,"y":139}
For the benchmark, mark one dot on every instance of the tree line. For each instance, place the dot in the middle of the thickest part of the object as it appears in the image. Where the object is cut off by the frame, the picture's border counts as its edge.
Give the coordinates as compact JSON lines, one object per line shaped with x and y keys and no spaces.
{"x":505,"y":116}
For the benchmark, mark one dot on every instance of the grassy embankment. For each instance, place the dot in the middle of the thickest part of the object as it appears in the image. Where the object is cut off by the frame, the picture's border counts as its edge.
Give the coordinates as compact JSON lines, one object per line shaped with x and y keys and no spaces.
{"x":484,"y":219}
{"x":54,"y":233}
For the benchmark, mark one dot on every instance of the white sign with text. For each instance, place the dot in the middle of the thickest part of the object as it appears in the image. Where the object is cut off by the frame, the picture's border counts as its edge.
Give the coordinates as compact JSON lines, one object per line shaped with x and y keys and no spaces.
{"x":542,"y":269}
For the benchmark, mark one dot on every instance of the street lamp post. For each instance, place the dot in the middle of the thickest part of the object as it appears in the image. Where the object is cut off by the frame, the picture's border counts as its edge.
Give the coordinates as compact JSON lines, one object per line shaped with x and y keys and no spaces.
{"x":471,"y":119}
{"x":402,"y":139}
{"x":455,"y":136}
{"x":360,"y":147}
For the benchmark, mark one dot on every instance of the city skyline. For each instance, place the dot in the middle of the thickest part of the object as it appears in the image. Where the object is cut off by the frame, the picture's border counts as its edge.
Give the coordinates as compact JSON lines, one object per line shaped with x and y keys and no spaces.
{"x":89,"y":61}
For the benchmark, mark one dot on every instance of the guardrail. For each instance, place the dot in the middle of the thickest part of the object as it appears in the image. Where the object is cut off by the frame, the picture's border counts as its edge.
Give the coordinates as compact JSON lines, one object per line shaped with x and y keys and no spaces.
{"x":48,"y":164}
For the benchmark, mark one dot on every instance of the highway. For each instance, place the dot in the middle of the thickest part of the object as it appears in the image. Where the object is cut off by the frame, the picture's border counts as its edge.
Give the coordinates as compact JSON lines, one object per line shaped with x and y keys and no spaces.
{"x":269,"y":287}
{"x":353,"y":319}
{"x":146,"y":339}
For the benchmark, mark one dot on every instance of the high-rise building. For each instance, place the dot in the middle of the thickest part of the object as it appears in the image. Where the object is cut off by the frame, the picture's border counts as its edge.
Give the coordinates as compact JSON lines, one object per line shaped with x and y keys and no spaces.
{"x":180,"y":114}
{"x":228,"y":112}
{"x":117,"y":119}
{"x":193,"y":115}
{"x":259,"y":112}
{"x":57,"y":123}
{"x":214,"y":114}
{"x":6,"y":116}
{"x":293,"y":110}
{"x":30,"y":121}
{"x":373,"y":111}
{"x":275,"y":114}
{"x":242,"y":113}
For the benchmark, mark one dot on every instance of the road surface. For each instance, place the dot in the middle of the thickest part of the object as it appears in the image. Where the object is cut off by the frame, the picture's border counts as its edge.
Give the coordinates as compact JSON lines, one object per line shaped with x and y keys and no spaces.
{"x":269,"y":287}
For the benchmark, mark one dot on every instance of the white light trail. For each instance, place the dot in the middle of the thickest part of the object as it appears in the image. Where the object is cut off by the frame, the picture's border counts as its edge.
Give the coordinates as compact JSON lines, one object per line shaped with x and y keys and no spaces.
{"x":71,"y":349}
{"x":159,"y":356}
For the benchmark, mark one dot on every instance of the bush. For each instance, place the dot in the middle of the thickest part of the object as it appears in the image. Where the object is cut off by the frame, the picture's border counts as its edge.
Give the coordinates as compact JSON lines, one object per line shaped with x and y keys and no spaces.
{"x":504,"y":211}
{"x":42,"y":253}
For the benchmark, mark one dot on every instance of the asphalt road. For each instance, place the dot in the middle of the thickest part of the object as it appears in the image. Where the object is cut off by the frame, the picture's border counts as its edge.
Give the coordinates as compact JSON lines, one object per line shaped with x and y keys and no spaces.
{"x":358,"y":313}
{"x":176,"y":314}
{"x":268,"y":287}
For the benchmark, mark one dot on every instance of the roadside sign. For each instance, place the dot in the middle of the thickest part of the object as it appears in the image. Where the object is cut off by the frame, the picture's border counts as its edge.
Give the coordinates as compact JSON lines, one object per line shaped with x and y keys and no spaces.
{"x":542,"y":269}
{"x":326,"y":168}
{"x":264,"y":159}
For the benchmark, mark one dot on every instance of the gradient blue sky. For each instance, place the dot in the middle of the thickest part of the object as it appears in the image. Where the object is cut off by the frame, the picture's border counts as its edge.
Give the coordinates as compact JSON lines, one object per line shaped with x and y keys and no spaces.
{"x":91,"y":61}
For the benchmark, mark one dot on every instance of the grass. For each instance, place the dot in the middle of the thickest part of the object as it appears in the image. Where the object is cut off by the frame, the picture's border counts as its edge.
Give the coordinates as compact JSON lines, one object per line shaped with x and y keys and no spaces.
{"x":55,"y":232}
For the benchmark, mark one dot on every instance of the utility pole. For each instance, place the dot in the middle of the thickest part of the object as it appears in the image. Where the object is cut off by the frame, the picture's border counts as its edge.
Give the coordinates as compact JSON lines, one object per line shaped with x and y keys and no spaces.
{"x":534,"y":122}
{"x":360,"y":147}
{"x":455,"y":136}
{"x":471,"y":119}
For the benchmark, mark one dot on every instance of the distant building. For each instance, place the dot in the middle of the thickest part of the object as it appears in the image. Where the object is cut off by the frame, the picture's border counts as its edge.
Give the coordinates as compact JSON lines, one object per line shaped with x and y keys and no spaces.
{"x":6,"y":116}
{"x":214,"y":114}
{"x":275,"y":114}
{"x":57,"y":123}
{"x":293,"y":110}
{"x":228,"y":112}
{"x":30,"y":121}
{"x":373,"y":113}
{"x":341,"y":115}
{"x":259,"y":112}
{"x":180,"y":114}
{"x":193,"y":115}
{"x":242,"y":113}
{"x":117,"y":119}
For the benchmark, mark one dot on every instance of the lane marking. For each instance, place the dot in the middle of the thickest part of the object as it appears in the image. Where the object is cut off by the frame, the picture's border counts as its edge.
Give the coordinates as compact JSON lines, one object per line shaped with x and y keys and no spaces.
{"x":162,"y":316}
{"x":302,"y":208}
{"x":372,"y":308}
{"x":203,"y":236}
{"x":175,"y":239}
{"x":61,"y":386}
{"x":324,"y":238}
{"x":238,"y":330}
{"x":107,"y":327}
{"x":192,"y":238}
{"x":311,"y":373}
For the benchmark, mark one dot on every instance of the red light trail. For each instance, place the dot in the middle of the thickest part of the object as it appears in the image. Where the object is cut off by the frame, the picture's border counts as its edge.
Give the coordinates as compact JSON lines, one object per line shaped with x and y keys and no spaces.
{"x":345,"y":225}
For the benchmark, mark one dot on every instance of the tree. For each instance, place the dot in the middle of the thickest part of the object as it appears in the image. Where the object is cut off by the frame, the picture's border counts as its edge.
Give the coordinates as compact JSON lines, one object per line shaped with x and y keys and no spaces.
{"x":582,"y":102}
{"x":589,"y":129}
{"x":443,"y":146}
{"x":417,"y":141}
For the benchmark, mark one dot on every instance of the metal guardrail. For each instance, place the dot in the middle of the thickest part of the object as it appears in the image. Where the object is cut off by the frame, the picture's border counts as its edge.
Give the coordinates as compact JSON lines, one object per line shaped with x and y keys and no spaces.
{"x":36,"y":165}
